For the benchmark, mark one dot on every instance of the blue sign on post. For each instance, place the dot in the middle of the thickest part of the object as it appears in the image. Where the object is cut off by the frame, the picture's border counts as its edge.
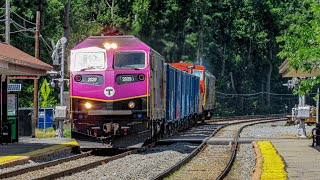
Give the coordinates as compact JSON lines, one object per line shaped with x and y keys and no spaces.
{"x":45,"y":119}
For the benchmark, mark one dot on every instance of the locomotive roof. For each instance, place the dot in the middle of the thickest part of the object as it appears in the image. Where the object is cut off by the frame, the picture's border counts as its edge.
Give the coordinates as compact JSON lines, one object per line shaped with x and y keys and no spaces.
{"x":122,"y":41}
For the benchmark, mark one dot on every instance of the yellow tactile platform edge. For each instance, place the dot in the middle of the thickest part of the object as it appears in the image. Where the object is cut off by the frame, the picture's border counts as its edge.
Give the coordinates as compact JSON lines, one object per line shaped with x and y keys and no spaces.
{"x":272,"y":164}
{"x":36,"y":152}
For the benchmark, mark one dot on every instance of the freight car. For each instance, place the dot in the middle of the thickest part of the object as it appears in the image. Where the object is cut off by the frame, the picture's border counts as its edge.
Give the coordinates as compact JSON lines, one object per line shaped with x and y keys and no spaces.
{"x":207,"y":86}
{"x":123,"y":94}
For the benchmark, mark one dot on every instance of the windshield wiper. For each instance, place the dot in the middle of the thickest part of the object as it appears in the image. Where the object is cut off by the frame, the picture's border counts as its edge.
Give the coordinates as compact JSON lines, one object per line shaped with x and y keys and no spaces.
{"x":89,"y":68}
{"x":134,"y":68}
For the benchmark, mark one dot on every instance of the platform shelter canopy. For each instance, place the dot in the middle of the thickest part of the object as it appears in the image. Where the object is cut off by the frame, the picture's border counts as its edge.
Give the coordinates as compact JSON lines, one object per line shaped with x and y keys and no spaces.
{"x":16,"y":62}
{"x":286,"y":71}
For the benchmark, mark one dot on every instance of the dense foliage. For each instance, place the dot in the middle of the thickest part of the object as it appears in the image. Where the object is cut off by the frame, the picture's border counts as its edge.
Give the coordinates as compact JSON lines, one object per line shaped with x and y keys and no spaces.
{"x":237,"y":40}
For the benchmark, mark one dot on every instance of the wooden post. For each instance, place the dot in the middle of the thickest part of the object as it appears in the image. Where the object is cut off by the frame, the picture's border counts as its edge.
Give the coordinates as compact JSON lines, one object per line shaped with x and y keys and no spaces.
{"x":35,"y":84}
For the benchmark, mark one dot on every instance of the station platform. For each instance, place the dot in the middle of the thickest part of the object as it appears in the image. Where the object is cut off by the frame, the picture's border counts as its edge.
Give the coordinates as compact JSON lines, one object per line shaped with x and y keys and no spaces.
{"x":301,"y":159}
{"x":34,"y":149}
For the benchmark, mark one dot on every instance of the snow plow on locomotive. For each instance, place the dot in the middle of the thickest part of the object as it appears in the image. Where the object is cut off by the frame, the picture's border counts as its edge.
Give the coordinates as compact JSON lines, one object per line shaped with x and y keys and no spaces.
{"x":124,"y":95}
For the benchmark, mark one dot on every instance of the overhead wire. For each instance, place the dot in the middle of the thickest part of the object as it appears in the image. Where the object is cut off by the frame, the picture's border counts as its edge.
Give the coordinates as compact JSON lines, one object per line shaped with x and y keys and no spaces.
{"x":226,"y":94}
{"x":22,"y":30}
{"x":255,"y":95}
{"x":23,"y":18}
{"x":284,"y":98}
{"x":17,"y":31}
{"x":252,"y":94}
{"x":276,"y":94}
{"x":22,"y":27}
{"x":225,"y":97}
{"x":46,"y":43}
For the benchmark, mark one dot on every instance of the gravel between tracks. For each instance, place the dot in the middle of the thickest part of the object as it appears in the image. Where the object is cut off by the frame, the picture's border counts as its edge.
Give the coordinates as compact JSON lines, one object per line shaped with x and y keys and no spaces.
{"x":58,"y":168}
{"x":206,"y":165}
{"x":273,"y":130}
{"x":33,"y":163}
{"x":139,"y":166}
{"x":29,"y":164}
{"x":244,"y":164}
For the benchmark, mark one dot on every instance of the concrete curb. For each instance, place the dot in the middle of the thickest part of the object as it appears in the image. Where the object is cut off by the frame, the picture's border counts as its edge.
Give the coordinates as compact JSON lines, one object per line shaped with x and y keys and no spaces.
{"x":68,"y":147}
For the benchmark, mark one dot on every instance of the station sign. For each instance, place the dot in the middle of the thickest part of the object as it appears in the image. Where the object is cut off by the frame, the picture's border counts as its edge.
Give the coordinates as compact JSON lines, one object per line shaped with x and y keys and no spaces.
{"x":14,"y":87}
{"x":22,"y":77}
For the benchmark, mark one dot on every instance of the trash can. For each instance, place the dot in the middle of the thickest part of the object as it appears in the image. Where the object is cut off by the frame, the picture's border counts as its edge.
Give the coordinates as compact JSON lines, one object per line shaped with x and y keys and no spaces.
{"x":14,"y":128}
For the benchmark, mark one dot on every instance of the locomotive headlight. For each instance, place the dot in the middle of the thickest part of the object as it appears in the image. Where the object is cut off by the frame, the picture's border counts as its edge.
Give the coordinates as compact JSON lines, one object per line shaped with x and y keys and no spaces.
{"x":88,"y":105}
{"x":110,"y":46}
{"x":114,"y":46}
{"x":131,"y":104}
{"x":107,"y":46}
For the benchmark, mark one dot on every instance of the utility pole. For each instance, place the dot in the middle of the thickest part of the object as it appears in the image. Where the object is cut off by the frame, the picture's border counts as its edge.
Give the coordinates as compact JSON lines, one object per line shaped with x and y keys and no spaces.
{"x":63,"y":41}
{"x":35,"y":83}
{"x":8,"y":21}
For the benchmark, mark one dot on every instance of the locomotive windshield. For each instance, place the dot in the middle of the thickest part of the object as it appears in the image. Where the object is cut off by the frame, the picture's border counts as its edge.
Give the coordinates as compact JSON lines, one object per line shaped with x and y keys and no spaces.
{"x":129,"y":60}
{"x":89,"y":61}
{"x":198,"y":73}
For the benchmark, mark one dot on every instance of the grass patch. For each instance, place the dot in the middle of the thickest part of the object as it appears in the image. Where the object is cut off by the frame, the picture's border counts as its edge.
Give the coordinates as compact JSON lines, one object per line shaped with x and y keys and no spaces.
{"x":51,"y":133}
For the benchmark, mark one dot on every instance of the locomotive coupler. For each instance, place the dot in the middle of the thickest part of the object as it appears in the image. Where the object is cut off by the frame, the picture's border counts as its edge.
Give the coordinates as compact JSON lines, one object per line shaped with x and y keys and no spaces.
{"x":316,"y":135}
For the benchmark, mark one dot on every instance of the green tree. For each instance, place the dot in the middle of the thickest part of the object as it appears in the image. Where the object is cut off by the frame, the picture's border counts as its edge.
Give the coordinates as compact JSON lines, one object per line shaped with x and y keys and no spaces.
{"x":300,"y":41}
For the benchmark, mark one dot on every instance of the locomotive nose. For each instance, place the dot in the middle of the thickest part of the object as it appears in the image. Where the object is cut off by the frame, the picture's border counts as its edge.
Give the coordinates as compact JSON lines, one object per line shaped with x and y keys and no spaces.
{"x":109,"y":85}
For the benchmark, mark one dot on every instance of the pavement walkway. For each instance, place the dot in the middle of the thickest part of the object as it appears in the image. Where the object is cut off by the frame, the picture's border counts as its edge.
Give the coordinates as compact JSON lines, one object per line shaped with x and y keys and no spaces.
{"x":29,"y":147}
{"x":302,"y":161}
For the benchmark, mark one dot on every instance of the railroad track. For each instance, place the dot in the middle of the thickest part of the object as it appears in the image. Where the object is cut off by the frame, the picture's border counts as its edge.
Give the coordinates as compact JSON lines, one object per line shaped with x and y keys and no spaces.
{"x":218,"y":174}
{"x":240,"y":118}
{"x":51,"y":169}
{"x":42,"y":165}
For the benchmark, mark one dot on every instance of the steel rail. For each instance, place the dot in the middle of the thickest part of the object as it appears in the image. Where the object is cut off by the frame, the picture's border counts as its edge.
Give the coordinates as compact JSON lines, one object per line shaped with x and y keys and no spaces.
{"x":185,"y":160}
{"x":235,"y":147}
{"x":87,"y":166}
{"x":233,"y":118}
{"x":43,"y":165}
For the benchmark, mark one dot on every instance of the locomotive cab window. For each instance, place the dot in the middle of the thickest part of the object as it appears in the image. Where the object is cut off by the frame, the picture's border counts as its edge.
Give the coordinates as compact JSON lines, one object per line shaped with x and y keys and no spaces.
{"x":129,"y":60}
{"x":89,"y":61}
{"x":198,"y":73}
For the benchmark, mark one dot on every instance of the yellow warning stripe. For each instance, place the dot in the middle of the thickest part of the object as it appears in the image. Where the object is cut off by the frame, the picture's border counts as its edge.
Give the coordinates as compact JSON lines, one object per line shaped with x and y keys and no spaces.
{"x":273,"y":165}
{"x":36,"y":152}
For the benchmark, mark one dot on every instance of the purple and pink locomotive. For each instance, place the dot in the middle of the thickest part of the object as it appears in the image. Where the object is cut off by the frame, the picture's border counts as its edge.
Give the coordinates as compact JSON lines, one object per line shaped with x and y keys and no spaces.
{"x":124,"y":95}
